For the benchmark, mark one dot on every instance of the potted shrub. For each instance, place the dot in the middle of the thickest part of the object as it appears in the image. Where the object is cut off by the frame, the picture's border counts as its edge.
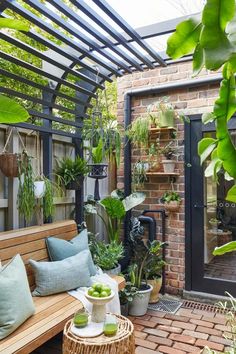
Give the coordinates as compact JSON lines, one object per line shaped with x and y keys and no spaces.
{"x":126,"y":296}
{"x":167,"y":114}
{"x":171,"y":201}
{"x":153,"y":269}
{"x":143,"y":255}
{"x":138,"y":131}
{"x":154,"y":157}
{"x":98,"y":169}
{"x":168,"y":163}
{"x":107,"y":255}
{"x":71,"y":172}
{"x":214,"y":224}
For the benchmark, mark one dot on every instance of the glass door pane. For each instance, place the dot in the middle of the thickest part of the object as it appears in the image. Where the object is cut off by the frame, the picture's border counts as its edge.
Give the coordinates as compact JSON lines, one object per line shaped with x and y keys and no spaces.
{"x":219,"y":225}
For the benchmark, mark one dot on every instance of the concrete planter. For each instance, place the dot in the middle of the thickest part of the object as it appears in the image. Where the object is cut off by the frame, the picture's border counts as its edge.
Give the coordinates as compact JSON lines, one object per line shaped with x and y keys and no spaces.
{"x":114,"y":271}
{"x":168,"y":166}
{"x":139,"y":305}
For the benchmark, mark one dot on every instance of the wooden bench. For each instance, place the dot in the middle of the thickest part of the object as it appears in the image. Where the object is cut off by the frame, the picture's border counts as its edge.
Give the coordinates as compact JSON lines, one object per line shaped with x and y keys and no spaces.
{"x":52,"y":312}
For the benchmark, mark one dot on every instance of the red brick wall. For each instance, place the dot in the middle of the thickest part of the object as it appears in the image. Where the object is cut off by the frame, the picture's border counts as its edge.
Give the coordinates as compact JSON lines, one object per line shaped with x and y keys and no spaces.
{"x":187,"y":101}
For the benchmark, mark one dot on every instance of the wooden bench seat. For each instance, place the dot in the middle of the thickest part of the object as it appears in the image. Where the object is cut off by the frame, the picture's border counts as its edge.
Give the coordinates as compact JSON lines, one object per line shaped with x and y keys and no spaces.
{"x":53,"y":311}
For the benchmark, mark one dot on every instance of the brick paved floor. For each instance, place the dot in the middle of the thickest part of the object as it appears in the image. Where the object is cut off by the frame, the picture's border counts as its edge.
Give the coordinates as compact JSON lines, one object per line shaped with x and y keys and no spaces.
{"x":188,"y":331}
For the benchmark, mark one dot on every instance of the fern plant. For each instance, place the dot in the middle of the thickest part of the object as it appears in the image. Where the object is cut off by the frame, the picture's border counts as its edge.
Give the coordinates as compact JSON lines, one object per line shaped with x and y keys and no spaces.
{"x":69,"y":170}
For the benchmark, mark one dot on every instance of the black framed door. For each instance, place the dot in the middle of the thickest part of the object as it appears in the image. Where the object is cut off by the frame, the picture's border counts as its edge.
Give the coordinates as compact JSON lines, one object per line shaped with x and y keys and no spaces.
{"x":210,"y":220}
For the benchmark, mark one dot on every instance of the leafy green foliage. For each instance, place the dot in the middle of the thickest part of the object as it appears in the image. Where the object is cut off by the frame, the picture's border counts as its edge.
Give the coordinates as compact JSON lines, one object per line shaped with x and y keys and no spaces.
{"x":106,"y":256}
{"x":11,"y":111}
{"x":138,"y":131}
{"x":127,"y":294}
{"x":170,"y":197}
{"x":114,"y":207}
{"x":215,"y":47}
{"x":228,"y":247}
{"x":70,"y":170}
{"x":97,"y":152}
{"x":48,"y":206}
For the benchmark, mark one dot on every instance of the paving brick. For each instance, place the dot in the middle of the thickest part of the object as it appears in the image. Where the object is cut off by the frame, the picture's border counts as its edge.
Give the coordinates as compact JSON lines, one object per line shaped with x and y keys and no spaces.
{"x":182,"y":338}
{"x":138,"y":327}
{"x":170,"y":350}
{"x":145,"y":323}
{"x":210,"y":331}
{"x":184,"y":325}
{"x":162,"y":321}
{"x":146,"y":344}
{"x":156,"y":332}
{"x":156,"y":313}
{"x":178,"y":318}
{"x":141,"y":335}
{"x":220,"y":340}
{"x":212,"y":345}
{"x":196,"y":334}
{"x":204,"y":313}
{"x":160,"y":341}
{"x":222,"y":328}
{"x":216,"y":320}
{"x":170,"y":329}
{"x":188,"y":313}
{"x":186,"y":347}
{"x":142,"y":350}
{"x":202,"y":323}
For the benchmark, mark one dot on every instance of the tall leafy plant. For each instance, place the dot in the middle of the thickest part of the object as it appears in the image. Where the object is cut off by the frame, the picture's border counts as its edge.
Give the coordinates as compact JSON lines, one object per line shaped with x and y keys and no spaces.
{"x":212,"y":40}
{"x":10,"y":110}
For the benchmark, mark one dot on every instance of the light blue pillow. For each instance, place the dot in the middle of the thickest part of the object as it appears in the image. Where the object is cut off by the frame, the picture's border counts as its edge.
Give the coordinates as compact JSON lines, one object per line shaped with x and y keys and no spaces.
{"x":59,"y":249}
{"x":59,"y":276}
{"x":16,"y":303}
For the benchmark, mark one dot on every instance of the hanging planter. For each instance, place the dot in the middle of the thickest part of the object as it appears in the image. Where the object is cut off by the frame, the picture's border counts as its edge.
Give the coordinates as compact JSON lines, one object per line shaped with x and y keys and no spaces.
{"x":39,"y":189}
{"x":76,"y":184}
{"x":171,"y":201}
{"x":98,"y":170}
{"x":9,"y":161}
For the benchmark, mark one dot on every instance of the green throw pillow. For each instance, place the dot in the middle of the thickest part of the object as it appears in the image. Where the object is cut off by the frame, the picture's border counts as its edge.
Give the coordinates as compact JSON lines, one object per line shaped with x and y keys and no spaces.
{"x":16,"y":303}
{"x":59,"y":249}
{"x":59,"y":276}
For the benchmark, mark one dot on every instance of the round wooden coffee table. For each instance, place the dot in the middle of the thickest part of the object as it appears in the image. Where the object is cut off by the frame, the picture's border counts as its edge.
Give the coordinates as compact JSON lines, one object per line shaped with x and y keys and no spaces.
{"x":122,"y":343}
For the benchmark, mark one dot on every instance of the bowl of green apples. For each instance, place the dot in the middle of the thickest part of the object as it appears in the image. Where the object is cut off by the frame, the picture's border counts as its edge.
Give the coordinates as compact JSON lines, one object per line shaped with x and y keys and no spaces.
{"x":99,"y":295}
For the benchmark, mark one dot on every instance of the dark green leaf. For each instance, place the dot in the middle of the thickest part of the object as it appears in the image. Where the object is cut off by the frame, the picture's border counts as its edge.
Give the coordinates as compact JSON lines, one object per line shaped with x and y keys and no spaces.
{"x":184,"y":40}
{"x":225,"y":105}
{"x":11,"y":111}
{"x":114,"y":207}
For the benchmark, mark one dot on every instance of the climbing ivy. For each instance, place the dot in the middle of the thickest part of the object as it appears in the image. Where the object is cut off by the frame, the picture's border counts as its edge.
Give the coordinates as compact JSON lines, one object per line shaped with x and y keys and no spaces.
{"x":212,"y":40}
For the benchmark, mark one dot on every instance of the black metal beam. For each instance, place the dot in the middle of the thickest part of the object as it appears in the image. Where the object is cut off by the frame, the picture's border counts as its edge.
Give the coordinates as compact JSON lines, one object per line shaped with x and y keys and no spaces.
{"x":102,"y":4}
{"x":99,"y":36}
{"x":99,"y":20}
{"x":15,"y":6}
{"x":33,"y":99}
{"x":39,"y":86}
{"x":53,"y":118}
{"x":76,"y":33}
{"x":41,"y":72}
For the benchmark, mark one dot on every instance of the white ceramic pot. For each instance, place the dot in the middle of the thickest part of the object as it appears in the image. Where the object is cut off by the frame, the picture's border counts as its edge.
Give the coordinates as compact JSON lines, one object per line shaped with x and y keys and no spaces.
{"x":99,"y":306}
{"x":113,"y":271}
{"x":139,"y":305}
{"x":39,"y":189}
{"x":168,"y":166}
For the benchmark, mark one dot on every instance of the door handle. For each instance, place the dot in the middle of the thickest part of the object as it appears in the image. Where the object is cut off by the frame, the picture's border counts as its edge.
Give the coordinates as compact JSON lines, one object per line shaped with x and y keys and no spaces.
{"x":200,"y":206}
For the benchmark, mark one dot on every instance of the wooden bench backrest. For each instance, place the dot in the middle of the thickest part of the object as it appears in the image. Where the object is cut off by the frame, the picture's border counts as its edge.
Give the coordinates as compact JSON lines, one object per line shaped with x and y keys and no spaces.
{"x":30,"y":242}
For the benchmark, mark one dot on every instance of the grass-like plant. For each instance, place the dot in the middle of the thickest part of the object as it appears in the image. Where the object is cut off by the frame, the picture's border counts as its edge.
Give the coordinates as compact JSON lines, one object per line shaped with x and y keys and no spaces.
{"x":70,"y":170}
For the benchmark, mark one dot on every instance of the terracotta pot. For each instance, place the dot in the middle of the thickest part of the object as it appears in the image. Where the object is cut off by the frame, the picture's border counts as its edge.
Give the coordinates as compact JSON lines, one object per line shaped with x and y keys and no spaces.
{"x":156,"y":284}
{"x":168,"y":166}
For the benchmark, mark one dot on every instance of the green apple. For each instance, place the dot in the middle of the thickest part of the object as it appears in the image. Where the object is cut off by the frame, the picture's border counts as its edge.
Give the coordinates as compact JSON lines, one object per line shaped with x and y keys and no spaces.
{"x":96,"y":294}
{"x":106,"y":289}
{"x":98,"y":287}
{"x":90,"y":291}
{"x":104,"y":294}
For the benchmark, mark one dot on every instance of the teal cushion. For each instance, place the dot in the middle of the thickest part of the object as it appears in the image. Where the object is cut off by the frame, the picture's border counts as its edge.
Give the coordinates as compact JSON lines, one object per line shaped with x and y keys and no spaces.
{"x":59,"y":276}
{"x":16,"y":304}
{"x":59,"y":249}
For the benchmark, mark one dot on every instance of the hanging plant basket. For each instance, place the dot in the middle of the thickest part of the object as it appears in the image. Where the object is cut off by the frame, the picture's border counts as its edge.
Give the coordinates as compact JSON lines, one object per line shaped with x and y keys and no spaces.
{"x":172,"y":206}
{"x":98,"y":170}
{"x":75,"y":185}
{"x":8,"y":164}
{"x":39,"y":189}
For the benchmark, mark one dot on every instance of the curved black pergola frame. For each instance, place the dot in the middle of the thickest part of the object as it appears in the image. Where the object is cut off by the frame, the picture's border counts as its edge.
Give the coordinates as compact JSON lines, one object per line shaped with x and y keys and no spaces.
{"x":91,"y":42}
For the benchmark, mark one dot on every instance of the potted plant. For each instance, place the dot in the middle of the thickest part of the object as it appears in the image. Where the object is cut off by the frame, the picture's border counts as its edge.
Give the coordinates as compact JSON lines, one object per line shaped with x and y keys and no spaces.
{"x":115,"y":207}
{"x":126,"y":296}
{"x":98,"y":169}
{"x":143,"y":255}
{"x":167,"y":114}
{"x":168,"y":152}
{"x":139,"y":174}
{"x":171,"y":201}
{"x":107,"y":255}
{"x":214,"y":224}
{"x":154,"y":156}
{"x":138,"y":131}
{"x":153,"y":269}
{"x":71,"y":172}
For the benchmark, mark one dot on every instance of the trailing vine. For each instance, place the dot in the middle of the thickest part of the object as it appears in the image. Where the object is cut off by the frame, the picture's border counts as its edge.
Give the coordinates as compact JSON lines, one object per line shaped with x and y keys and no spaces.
{"x":212,"y":40}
